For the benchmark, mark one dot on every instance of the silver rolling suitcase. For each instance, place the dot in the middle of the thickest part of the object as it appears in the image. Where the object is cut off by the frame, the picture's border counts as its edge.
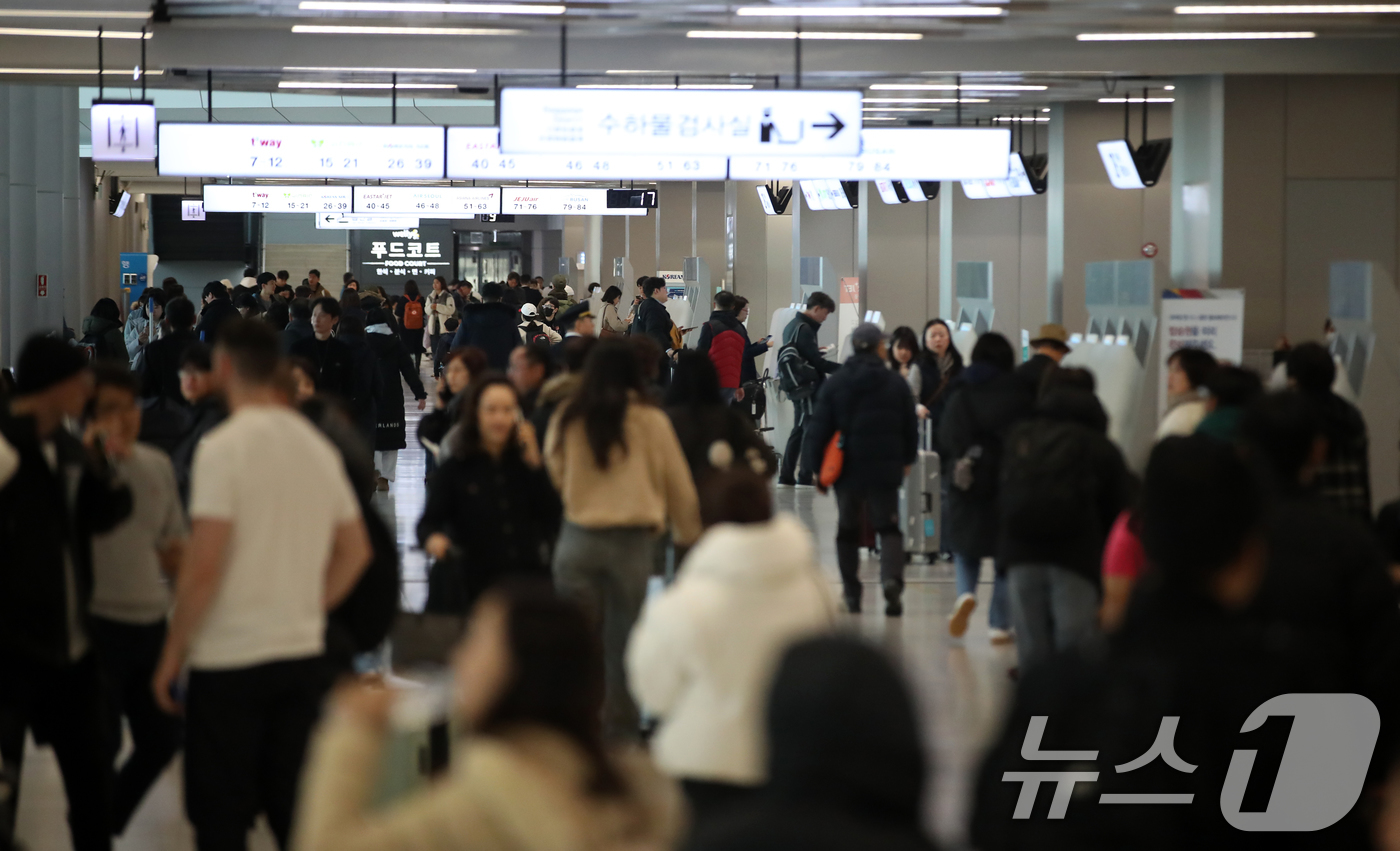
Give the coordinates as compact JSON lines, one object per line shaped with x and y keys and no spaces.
{"x":920,"y":501}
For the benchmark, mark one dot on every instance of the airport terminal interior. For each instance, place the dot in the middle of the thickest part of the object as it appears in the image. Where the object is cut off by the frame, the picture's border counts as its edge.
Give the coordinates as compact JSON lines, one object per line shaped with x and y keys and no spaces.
{"x":1093,"y":187}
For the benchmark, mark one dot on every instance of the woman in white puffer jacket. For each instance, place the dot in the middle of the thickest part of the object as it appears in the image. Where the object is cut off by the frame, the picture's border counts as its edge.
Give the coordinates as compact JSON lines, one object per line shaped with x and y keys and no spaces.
{"x":703,"y":654}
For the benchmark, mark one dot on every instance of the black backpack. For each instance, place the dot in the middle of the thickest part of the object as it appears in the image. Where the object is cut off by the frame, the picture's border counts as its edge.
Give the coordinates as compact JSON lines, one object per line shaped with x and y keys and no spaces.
{"x":797,"y":378}
{"x":1047,"y":490}
{"x":368,"y":613}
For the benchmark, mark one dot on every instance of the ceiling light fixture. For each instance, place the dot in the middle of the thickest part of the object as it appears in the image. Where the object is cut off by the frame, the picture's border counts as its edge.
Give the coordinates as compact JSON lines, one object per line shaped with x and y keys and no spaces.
{"x":292,"y":84}
{"x":461,"y":8}
{"x":924,"y":100}
{"x":72,"y":33}
{"x":669,"y":86}
{"x":902,"y":109}
{"x":790,"y":35}
{"x":1020,"y":118}
{"x":1137,"y":100}
{"x":363,"y":70}
{"x":1297,"y":9}
{"x":935,"y":11}
{"x":1193,"y":36}
{"x":341,"y":30}
{"x":949,"y":87}
{"x":75,"y":71}
{"x":1169,"y":88}
{"x":73,"y":13}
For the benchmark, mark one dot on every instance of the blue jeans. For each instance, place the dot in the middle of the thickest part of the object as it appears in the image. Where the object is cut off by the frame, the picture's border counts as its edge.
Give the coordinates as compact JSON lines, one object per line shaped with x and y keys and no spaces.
{"x":967,"y":568}
{"x":1054,"y":610}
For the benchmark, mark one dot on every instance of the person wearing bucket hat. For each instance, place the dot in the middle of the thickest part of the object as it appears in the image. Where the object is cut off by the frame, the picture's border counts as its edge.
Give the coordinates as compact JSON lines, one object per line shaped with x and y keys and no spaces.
{"x":56,"y":492}
{"x":561,"y":294}
{"x":1048,"y":348}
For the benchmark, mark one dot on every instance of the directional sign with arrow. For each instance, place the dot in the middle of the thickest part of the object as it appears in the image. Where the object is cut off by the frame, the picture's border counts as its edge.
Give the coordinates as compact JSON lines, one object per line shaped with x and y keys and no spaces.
{"x":680,"y":122}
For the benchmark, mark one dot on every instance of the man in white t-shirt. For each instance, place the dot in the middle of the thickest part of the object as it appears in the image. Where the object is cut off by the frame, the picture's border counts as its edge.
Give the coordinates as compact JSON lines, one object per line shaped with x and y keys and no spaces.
{"x":252,"y":596}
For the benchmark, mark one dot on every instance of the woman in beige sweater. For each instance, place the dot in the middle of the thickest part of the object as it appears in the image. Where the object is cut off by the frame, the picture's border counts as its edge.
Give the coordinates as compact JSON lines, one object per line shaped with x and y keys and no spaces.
{"x":623,"y":479}
{"x":533,"y":776}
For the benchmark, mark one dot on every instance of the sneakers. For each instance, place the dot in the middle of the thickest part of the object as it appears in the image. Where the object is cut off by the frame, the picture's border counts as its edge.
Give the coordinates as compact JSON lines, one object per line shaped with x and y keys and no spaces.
{"x":1000,"y":636}
{"x":786,"y":483}
{"x":853,"y":603}
{"x":962,"y":613}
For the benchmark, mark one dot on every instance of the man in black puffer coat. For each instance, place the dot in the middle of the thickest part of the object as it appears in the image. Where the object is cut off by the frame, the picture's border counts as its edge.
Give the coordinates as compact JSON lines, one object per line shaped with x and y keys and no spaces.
{"x":872,"y":408}
{"x":492,"y":326}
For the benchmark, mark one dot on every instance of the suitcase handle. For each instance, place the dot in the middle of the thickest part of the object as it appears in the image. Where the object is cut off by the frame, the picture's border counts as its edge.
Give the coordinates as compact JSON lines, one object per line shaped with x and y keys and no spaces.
{"x":928,"y":503}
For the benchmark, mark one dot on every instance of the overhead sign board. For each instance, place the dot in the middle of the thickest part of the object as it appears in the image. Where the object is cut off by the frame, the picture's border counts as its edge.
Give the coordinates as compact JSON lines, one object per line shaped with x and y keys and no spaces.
{"x":192,"y":210}
{"x":680,"y":122}
{"x":428,"y":201}
{"x":1016,"y":184}
{"x":397,"y":152}
{"x":561,"y":202}
{"x":421,"y":251}
{"x":252,"y":198}
{"x":123,"y":132}
{"x":1117,"y":156}
{"x":915,"y":153}
{"x":355,"y":221}
{"x":474,"y":152}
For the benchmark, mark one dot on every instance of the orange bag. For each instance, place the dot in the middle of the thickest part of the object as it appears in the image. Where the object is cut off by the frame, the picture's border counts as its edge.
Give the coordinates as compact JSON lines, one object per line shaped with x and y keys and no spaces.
{"x":832,"y":461}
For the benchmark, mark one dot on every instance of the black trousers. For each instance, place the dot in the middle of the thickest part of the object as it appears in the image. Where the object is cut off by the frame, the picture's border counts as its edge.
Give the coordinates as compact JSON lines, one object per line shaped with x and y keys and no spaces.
{"x":62,"y":705}
{"x":792,"y":453}
{"x":881,"y":510}
{"x":246,"y":731}
{"x":127,"y":655}
{"x":709,"y":799}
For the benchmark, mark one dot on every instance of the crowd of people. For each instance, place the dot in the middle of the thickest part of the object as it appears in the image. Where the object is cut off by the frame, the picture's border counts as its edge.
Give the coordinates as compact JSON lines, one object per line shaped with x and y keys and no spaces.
{"x":192,"y":558}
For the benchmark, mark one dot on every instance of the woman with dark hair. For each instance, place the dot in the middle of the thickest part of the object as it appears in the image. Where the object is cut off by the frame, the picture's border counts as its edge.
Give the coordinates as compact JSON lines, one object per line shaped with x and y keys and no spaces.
{"x":612,"y":324}
{"x":623,"y":480}
{"x":942,"y":363}
{"x":534,"y":773}
{"x":988,"y":400}
{"x":411,"y":312}
{"x":1188,"y":370}
{"x":459,"y":368}
{"x":143,"y":323}
{"x":904,"y":359}
{"x":102,"y":332}
{"x":350,"y":305}
{"x":391,"y":428}
{"x":713,"y":435}
{"x":491,"y":512}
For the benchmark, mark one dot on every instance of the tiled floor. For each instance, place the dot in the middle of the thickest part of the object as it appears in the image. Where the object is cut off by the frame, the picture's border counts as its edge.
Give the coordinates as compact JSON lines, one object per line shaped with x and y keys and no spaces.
{"x":961,"y":686}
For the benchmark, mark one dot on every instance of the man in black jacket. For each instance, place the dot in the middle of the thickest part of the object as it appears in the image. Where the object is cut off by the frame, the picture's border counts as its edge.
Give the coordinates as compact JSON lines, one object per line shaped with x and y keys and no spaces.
{"x":55,"y":493}
{"x":218,"y":309}
{"x":162,"y":376}
{"x":492,"y":326}
{"x":872,"y":408}
{"x":1047,"y":350}
{"x":199,"y":386}
{"x":654,"y":320}
{"x":299,"y":328}
{"x":801,"y":332}
{"x":1063,"y":484}
{"x":334,"y":362}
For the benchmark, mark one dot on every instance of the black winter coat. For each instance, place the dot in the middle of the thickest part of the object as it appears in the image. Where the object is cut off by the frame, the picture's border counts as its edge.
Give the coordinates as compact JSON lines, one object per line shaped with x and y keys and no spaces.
{"x":1100,"y":479}
{"x":870,"y":404}
{"x":392,"y":361}
{"x":162,"y":370}
{"x":296,"y":331}
{"x":37,"y":526}
{"x":502,"y":517}
{"x":654,"y":320}
{"x":986,"y":403}
{"x":208,"y":413}
{"x":802,"y":333}
{"x":492,"y":327}
{"x":215,"y":314}
{"x":846,"y":767}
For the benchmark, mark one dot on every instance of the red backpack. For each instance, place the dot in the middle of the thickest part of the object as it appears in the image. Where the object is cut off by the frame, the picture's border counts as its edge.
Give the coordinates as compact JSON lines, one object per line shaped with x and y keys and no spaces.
{"x":727,"y":354}
{"x":413,"y":314}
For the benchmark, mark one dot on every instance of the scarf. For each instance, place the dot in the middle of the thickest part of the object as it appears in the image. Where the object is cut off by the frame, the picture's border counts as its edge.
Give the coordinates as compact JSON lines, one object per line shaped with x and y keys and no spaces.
{"x":379,"y":329}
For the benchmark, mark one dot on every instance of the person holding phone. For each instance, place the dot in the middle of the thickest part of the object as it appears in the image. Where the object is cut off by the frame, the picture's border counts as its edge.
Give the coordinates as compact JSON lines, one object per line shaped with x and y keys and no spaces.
{"x":491,"y":511}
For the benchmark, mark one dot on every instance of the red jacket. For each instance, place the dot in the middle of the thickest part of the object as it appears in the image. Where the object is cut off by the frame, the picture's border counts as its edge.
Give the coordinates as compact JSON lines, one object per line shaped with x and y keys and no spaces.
{"x":726,"y":349}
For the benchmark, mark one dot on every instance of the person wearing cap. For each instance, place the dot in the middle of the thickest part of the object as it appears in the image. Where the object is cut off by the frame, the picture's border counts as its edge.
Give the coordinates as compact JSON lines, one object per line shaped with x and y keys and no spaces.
{"x":56,"y":492}
{"x":872,"y":409}
{"x":1047,"y":350}
{"x":532,"y":329}
{"x":562,"y":294}
{"x":577,"y":321}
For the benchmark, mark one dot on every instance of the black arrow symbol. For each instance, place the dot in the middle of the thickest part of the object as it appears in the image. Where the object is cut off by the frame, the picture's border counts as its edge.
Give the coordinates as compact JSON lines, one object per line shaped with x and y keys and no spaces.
{"x":836,"y":125}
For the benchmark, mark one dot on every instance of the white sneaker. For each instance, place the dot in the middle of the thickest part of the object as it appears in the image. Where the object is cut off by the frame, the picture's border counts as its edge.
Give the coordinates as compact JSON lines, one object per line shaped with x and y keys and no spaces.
{"x":1000,"y":636}
{"x":962,"y":613}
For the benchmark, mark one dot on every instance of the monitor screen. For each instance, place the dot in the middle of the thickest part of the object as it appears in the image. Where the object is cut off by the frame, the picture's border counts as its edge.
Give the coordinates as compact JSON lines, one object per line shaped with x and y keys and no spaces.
{"x":1117,"y":155}
{"x":120,"y":209}
{"x":887,"y":192}
{"x":765,"y":197}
